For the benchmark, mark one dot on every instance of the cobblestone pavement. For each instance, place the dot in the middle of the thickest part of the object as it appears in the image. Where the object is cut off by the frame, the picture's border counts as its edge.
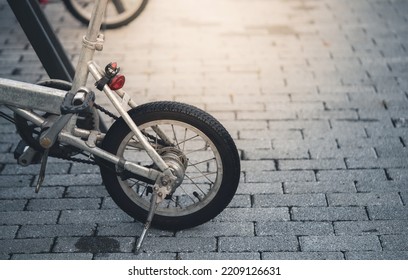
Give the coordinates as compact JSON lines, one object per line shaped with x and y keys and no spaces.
{"x":314,"y":93}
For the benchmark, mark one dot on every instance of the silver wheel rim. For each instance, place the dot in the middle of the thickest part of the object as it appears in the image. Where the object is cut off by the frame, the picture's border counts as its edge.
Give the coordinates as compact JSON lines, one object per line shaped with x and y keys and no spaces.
{"x":203,"y":175}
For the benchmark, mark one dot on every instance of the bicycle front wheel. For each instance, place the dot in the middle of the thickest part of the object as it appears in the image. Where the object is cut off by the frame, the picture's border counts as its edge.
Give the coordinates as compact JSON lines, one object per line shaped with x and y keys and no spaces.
{"x":117,"y":14}
{"x":198,"y":150}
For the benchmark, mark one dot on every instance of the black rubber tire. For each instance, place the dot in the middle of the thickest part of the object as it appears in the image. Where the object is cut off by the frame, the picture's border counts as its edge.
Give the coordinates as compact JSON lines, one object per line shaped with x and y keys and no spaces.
{"x":85,"y":20}
{"x":194,"y":117}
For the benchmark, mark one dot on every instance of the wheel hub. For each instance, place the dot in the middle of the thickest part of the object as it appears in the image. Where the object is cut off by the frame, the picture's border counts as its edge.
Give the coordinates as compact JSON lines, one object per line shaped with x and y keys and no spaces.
{"x":177,"y":162}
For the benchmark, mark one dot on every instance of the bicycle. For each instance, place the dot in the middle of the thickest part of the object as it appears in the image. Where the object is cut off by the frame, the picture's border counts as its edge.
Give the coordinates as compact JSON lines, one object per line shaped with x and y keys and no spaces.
{"x":118,"y":12}
{"x":169,"y":165}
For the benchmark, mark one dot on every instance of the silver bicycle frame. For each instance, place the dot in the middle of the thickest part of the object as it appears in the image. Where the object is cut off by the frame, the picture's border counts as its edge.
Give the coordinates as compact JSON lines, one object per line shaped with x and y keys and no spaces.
{"x":24,"y":98}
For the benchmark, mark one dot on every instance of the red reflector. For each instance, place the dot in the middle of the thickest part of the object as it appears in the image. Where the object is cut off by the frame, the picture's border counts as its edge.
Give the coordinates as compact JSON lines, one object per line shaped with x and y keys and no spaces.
{"x":117,"y":82}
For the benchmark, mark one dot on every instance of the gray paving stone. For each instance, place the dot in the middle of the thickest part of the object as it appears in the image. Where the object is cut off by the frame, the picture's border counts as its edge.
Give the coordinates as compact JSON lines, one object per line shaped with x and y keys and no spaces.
{"x":28,"y":217}
{"x":63,"y":204}
{"x":373,"y":175}
{"x":311,"y":164}
{"x":220,"y":256}
{"x":328,"y":214}
{"x":319,"y":187}
{"x":258,"y":188}
{"x":129,"y":230}
{"x":392,"y":152}
{"x":14,"y":169}
{"x":277,"y":200}
{"x":91,"y":244}
{"x":287,"y":144}
{"x":371,"y":227}
{"x":387,"y":212}
{"x":212,"y":229}
{"x":302,"y":256}
{"x":29,"y":192}
{"x":73,"y":180}
{"x":53,"y":256}
{"x":363,"y":199}
{"x":397,"y":162}
{"x":340,"y":243}
{"x":4,"y":148}
{"x":81,"y":168}
{"x":41,"y":245}
{"x":254,"y":214}
{"x":384,"y":255}
{"x":108,"y":203}
{"x":8,"y":232}
{"x":381,"y":186}
{"x":248,"y":244}
{"x":254,"y":144}
{"x":398,"y":174}
{"x":15,"y":181}
{"x":370,"y":142}
{"x":293,"y":153}
{"x":133,"y":256}
{"x":394,"y":242}
{"x":280,"y":176}
{"x":278,"y":134}
{"x":240,"y":201}
{"x":93,"y":216}
{"x":12,"y":205}
{"x":4,"y":256}
{"x":293,"y":228}
{"x":257,"y":165}
{"x":184,"y":244}
{"x":39,"y":231}
{"x":335,"y":134}
{"x":404,"y":197}
{"x":86,"y":192}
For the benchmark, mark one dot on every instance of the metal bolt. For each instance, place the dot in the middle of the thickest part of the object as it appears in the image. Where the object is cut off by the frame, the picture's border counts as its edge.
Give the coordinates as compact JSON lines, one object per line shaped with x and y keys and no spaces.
{"x":45,"y":142}
{"x":165,"y":180}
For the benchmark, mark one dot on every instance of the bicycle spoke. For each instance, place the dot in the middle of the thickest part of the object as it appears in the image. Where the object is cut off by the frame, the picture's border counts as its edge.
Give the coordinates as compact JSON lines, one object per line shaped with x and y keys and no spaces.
{"x":195,"y":164}
{"x":175,"y":136}
{"x":195,"y":184}
{"x":191,"y":138}
{"x":205,"y":176}
{"x":184,"y":140}
{"x":187,"y":194}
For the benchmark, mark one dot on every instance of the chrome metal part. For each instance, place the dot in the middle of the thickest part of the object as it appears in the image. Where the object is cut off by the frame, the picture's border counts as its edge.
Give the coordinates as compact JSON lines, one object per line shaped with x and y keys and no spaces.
{"x":41,"y":176}
{"x":160,"y":190}
{"x":152,"y":209}
{"x":94,"y":45}
{"x":93,"y":69}
{"x":28,"y":115}
{"x":93,"y":137}
{"x":177,"y":162}
{"x":49,"y":137}
{"x":29,"y":96}
{"x":149,"y":173}
{"x":27,"y":157}
{"x":98,"y":73}
{"x":86,"y":55}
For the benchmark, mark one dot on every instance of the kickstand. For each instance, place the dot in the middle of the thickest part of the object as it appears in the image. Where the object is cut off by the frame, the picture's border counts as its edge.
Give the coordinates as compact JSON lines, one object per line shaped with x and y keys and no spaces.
{"x":152,"y":209}
{"x":41,"y":176}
